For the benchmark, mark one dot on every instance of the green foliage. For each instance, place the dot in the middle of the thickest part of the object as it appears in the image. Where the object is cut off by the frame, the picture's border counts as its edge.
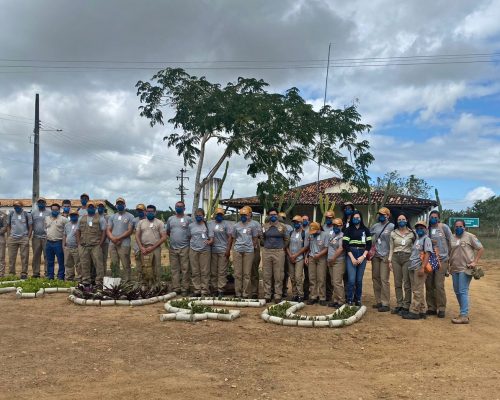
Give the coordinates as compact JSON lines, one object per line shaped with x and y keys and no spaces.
{"x":279,"y":310}
{"x":33,"y":285}
{"x":325,"y":205}
{"x":115,"y":270}
{"x":196,"y":308}
{"x":7,"y":278}
{"x":393,"y":183}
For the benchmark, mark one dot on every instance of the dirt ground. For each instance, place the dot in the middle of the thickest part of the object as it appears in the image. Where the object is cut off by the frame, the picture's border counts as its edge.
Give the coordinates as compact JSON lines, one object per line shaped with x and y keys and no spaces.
{"x":53,"y":349}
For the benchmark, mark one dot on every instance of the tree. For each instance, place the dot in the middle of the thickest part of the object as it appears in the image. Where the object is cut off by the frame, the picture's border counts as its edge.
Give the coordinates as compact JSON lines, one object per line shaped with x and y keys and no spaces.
{"x":409,"y":186}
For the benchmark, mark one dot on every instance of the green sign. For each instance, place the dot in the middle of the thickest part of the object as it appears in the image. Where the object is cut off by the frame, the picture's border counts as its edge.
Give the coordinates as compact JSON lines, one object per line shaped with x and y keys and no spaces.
{"x":469,"y":222}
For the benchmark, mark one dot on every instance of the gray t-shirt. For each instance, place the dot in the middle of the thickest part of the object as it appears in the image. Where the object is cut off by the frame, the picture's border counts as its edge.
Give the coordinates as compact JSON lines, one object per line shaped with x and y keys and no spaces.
{"x":296,"y":243}
{"x":421,"y":244}
{"x":19,"y":224}
{"x":382,"y":242}
{"x":328,"y":229}
{"x":220,"y":232}
{"x":243,"y":234}
{"x":198,"y":234}
{"x":177,"y":229}
{"x":119,"y":224}
{"x":39,"y":228}
{"x":70,"y":234}
{"x":334,"y":242}
{"x":82,"y":212}
{"x":274,"y":236}
{"x":317,"y":244}
{"x":440,"y":236}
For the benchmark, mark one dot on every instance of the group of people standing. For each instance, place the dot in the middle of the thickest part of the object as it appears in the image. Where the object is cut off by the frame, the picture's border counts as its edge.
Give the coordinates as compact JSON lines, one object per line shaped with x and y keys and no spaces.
{"x":324,"y":263}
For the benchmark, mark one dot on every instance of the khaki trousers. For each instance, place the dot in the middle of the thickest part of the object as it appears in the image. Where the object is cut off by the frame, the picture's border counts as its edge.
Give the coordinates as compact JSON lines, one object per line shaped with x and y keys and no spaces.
{"x":3,"y":246}
{"x":23,"y":245}
{"x":273,"y":269}
{"x":72,"y":262}
{"x":38,"y":246}
{"x":297,"y":277}
{"x":337,"y":271}
{"x":402,"y":286}
{"x":200,"y":270}
{"x":105,"y":252}
{"x":317,"y":278}
{"x":120,"y":255}
{"x":417,"y":292}
{"x":218,"y":271}
{"x":380,"y":279}
{"x":179,"y":266}
{"x":434,"y":287}
{"x":242,"y":264}
{"x":254,"y":276}
{"x":149,"y":267}
{"x":88,"y":255}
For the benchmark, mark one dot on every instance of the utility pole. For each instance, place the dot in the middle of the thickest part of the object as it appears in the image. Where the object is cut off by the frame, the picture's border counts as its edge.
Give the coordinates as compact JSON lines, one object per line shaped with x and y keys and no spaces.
{"x":36,"y":153}
{"x":182,"y":189}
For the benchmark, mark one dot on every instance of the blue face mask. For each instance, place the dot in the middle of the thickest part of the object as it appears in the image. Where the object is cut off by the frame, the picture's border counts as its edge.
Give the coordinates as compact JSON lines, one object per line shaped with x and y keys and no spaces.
{"x":381,"y":218}
{"x":66,"y":209}
{"x":198,"y":218}
{"x":140,"y":214}
{"x":347,"y":212}
{"x":356,"y":221}
{"x":84,"y":202}
{"x":18,"y":209}
{"x":336,"y":230}
{"x":273,"y":218}
{"x":100,"y":210}
{"x":41,"y":206}
{"x":179,"y":210}
{"x":420,"y":232}
{"x":459,"y":231}
{"x":73,"y":218}
{"x":219,"y":218}
{"x":243,"y":218}
{"x":328,"y":221}
{"x":305,"y":223}
{"x":150,"y":215}
{"x":297,"y":225}
{"x":433,"y":220}
{"x":315,"y":234}
{"x":91,"y":211}
{"x":120,"y":207}
{"x":55,"y":213}
{"x":401,"y":224}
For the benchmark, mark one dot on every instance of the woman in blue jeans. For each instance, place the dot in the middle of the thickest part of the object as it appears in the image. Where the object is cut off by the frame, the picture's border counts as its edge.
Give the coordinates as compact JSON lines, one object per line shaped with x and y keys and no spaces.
{"x":357,"y":242}
{"x":465,"y":252}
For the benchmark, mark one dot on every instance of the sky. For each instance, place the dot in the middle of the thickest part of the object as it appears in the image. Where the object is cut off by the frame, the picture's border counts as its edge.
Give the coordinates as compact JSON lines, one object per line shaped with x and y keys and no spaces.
{"x":438,"y":120}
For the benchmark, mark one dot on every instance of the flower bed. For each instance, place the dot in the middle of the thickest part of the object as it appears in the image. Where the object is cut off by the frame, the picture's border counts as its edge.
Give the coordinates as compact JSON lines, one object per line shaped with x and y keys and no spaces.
{"x":284,"y":313}
{"x":187,"y":309}
{"x":228,"y":301}
{"x":36,"y":287}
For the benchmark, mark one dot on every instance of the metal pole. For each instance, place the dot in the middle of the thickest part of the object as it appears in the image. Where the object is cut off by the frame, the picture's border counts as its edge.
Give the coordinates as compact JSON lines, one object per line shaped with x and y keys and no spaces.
{"x":36,"y":154}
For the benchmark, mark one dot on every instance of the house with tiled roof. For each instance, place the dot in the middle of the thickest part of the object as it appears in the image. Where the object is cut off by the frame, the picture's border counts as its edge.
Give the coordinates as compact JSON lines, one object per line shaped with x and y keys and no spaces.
{"x":338,"y":191}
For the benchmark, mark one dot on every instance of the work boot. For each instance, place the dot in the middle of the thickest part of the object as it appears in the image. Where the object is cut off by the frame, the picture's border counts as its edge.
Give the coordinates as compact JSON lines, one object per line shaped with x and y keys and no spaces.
{"x":462,"y":319}
{"x":334,"y":304}
{"x":396,"y":310}
{"x":431,"y":312}
{"x":403,"y":311}
{"x":423,"y":315}
{"x":322,"y":302}
{"x":441,"y":314}
{"x":277,"y":301}
{"x":378,"y":305}
{"x":312,"y":301}
{"x":384,"y":309}
{"x":410,"y":315}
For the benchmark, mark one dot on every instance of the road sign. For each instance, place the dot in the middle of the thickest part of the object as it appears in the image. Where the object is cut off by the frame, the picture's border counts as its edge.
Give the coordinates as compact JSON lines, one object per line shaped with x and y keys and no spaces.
{"x":469,"y":222}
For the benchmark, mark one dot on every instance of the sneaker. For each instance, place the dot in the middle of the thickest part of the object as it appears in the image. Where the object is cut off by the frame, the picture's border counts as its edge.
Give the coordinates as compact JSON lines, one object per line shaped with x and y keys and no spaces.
{"x":378,"y":305}
{"x":384,"y":309}
{"x":410,"y":315}
{"x":312,"y":301}
{"x":396,"y":310}
{"x":462,"y":319}
{"x":322,"y":302}
{"x":441,"y":314}
{"x":431,"y":312}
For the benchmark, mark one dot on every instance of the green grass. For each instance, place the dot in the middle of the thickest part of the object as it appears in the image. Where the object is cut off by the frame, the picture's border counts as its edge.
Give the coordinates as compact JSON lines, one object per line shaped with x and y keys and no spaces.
{"x":491,"y":247}
{"x":32,"y":285}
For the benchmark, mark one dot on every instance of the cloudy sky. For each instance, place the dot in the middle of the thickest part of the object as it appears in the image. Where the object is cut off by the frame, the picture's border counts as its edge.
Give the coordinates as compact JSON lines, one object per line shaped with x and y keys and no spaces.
{"x":438,"y":120}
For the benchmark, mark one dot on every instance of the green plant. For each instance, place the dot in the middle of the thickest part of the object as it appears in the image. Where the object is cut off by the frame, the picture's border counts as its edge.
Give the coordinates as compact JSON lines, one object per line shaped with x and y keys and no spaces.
{"x":325,"y":205}
{"x":33,"y":285}
{"x":115,"y":270}
{"x":438,"y":200}
{"x":8,"y":278}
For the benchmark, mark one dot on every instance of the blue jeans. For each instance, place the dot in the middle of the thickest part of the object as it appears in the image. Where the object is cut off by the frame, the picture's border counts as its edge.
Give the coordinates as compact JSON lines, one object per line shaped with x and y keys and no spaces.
{"x":461,"y":282}
{"x":53,"y":250}
{"x":355,"y":276}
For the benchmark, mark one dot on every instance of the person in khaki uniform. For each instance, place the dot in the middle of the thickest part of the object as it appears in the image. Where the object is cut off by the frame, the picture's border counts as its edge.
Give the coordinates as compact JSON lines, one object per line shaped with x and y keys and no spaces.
{"x":39,"y":239}
{"x":254,"y":275}
{"x":244,"y":236}
{"x":120,"y":227}
{"x":66,"y":208}
{"x":307,"y":286}
{"x":177,"y":231}
{"x":90,"y":236}
{"x":103,"y":213}
{"x":440,"y":235}
{"x":141,"y":214}
{"x":465,"y":252}
{"x":199,"y":254}
{"x":317,"y":242}
{"x":150,"y":235}
{"x":70,"y":245}
{"x":336,"y":263}
{"x":400,"y":245}
{"x":55,"y":232}
{"x":218,"y":231}
{"x":422,"y":245}
{"x":19,"y":229}
{"x":3,"y":242}
{"x":381,"y":235}
{"x":275,"y":240}
{"x":295,"y":253}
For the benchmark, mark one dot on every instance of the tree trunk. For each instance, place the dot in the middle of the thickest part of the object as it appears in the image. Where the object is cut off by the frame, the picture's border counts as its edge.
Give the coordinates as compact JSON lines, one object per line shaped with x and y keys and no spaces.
{"x":197,"y":184}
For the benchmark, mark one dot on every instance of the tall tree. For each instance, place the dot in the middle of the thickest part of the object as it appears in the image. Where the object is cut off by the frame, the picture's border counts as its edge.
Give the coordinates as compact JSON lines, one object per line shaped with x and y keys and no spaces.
{"x":409,"y":186}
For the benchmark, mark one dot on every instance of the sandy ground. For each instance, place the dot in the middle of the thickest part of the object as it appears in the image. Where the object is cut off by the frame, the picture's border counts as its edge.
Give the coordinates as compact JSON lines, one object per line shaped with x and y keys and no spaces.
{"x":52,"y":349}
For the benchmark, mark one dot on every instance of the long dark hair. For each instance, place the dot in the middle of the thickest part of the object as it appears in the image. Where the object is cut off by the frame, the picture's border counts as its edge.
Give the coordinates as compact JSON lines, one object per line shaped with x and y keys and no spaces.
{"x":361,"y":223}
{"x":397,"y":215}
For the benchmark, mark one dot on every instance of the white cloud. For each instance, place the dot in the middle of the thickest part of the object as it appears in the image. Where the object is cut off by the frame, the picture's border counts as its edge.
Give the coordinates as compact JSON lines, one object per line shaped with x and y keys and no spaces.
{"x":479,"y":193}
